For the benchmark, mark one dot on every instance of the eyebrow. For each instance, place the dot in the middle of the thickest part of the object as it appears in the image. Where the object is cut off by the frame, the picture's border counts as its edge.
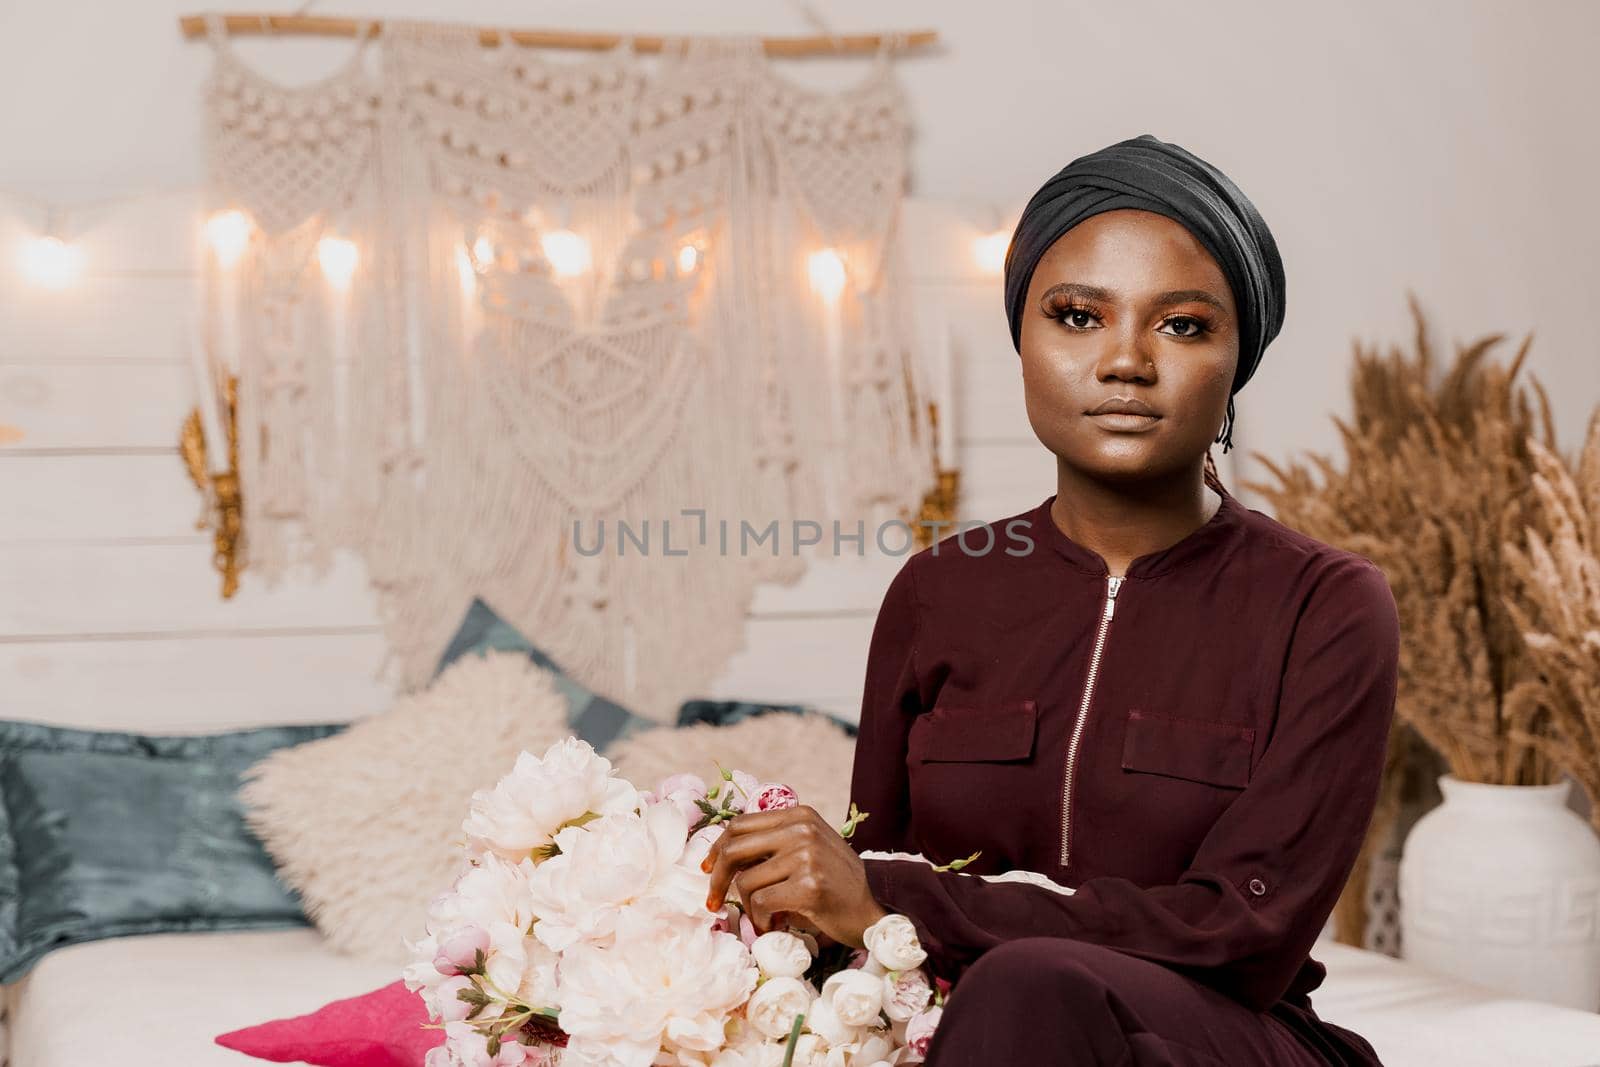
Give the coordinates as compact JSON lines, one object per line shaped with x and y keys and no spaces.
{"x":1166,"y":299}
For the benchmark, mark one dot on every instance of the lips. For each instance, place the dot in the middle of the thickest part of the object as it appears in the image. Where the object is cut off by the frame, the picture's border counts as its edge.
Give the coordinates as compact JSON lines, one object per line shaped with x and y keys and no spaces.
{"x":1123,"y":405}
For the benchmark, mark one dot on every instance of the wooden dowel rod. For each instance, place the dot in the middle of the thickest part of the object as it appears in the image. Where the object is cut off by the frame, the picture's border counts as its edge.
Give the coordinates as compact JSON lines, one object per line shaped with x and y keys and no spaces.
{"x":338,"y":26}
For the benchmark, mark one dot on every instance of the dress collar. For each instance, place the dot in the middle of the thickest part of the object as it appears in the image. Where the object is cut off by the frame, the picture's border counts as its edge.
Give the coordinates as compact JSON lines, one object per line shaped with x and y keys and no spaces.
{"x":1209,"y":538}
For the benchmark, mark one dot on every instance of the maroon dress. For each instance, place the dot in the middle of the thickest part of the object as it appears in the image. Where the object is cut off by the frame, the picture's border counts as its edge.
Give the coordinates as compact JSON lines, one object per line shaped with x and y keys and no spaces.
{"x":1192,"y":749}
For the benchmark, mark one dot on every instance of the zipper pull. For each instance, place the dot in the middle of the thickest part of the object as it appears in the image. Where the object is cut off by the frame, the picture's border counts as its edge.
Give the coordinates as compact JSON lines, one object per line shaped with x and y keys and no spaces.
{"x":1113,"y":583}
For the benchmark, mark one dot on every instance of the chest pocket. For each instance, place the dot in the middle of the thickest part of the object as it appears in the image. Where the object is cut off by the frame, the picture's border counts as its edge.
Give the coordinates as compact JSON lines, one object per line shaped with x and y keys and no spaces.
{"x":1210,"y":752}
{"x":964,"y":733}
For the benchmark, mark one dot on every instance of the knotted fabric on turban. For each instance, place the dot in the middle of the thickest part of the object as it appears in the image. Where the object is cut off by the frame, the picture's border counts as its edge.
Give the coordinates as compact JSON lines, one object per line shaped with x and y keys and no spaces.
{"x":1143,"y":172}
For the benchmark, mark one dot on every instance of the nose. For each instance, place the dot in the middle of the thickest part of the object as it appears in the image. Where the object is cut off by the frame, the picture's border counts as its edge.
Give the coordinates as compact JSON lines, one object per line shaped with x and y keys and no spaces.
{"x":1126,"y":361}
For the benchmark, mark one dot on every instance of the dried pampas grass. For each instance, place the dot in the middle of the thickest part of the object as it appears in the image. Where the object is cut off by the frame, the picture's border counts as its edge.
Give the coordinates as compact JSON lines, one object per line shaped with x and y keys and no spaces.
{"x":1557,"y":713}
{"x":1433,"y":487}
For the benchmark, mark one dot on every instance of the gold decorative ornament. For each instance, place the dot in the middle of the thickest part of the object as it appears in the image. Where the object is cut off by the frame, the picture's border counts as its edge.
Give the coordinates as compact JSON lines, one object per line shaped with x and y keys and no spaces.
{"x":941,"y":503}
{"x":220,"y":489}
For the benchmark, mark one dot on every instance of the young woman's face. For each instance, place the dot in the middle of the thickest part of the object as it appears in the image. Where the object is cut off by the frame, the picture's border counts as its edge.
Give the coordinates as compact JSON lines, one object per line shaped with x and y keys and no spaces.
{"x":1128,"y":305}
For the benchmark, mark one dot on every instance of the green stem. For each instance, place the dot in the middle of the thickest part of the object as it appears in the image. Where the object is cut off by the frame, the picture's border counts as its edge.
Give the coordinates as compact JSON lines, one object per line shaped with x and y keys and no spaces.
{"x":794,"y":1039}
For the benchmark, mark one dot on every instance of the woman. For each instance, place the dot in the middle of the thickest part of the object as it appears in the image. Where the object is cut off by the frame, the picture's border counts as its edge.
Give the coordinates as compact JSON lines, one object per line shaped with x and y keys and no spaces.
{"x":1163,"y":713}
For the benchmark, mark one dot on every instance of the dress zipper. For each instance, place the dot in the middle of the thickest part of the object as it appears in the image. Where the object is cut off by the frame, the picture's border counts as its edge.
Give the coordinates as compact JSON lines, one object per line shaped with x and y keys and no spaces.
{"x":1113,"y":583}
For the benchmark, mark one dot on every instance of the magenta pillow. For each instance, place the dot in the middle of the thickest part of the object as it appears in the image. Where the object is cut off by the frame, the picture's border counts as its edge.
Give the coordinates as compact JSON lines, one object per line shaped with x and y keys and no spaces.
{"x":383,"y":1028}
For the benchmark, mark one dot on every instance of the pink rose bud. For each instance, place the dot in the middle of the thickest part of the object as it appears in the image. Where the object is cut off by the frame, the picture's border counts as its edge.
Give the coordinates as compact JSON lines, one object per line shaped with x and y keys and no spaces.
{"x":747,"y":930}
{"x":458,"y":953}
{"x":774,"y":796}
{"x":858,"y":958}
{"x":919,"y":1031}
{"x":681,"y":783}
{"x":941,"y":985}
{"x":743,"y":792}
{"x":721,"y":925}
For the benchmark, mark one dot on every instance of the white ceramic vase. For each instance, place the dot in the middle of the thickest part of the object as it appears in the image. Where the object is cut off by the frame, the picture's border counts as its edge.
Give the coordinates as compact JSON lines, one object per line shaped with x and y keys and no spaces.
{"x":1500,"y":885}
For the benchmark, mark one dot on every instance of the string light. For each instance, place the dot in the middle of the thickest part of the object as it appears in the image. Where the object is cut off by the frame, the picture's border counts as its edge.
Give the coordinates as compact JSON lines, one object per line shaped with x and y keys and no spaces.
{"x":826,"y":268}
{"x":229,"y":234}
{"x":990,"y":251}
{"x":51,"y":262}
{"x":338,"y":258}
{"x":688,"y":258}
{"x":567,"y":252}
{"x":482,"y":252}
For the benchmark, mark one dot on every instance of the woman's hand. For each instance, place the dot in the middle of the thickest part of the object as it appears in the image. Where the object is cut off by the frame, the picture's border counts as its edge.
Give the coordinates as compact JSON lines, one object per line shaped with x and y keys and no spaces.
{"x":792,"y":860}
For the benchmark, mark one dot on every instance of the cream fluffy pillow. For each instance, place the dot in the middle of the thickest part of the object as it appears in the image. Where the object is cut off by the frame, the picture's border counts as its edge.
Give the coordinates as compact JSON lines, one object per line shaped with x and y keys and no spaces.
{"x":366,"y":825}
{"x":765,"y":745}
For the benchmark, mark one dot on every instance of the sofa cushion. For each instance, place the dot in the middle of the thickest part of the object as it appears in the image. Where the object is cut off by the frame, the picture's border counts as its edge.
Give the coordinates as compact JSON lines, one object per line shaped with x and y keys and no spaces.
{"x":106,"y":834}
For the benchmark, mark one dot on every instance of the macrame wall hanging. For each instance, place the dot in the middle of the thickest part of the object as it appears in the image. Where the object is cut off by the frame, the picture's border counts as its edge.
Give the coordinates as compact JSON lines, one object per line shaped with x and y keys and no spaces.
{"x":487,"y":294}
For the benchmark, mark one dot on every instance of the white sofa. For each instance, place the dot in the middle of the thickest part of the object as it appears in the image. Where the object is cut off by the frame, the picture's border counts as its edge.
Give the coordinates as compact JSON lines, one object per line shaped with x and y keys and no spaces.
{"x":159,"y":1000}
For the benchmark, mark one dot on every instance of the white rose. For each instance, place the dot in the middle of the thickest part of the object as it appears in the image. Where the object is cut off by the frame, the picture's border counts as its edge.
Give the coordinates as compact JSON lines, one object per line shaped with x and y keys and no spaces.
{"x":775,"y":1004}
{"x":823,"y":1021}
{"x":781,"y":954}
{"x":907,"y":994}
{"x":856,"y":998}
{"x":892,"y":940}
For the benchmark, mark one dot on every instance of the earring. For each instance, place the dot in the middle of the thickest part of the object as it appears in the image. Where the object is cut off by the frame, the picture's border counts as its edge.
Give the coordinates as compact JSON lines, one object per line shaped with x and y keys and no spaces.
{"x":1225,"y":438}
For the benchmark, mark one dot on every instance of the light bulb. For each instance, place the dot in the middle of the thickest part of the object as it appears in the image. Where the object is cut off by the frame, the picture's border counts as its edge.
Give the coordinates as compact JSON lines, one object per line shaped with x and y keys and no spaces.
{"x":482,"y":252}
{"x":229,"y":234}
{"x":338,"y":258}
{"x":567,"y":252}
{"x":990,"y":251}
{"x":826,"y":268}
{"x":688,"y":259}
{"x":50,"y":261}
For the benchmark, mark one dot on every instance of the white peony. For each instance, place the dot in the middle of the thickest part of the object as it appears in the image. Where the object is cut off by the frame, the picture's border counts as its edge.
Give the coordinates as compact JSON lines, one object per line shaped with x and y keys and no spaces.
{"x":494,"y":897}
{"x":824,"y":1021}
{"x":607,"y":865}
{"x":775,"y":1003}
{"x":699,"y":844}
{"x":781,"y":954}
{"x":892,"y":940}
{"x":855,"y":997}
{"x":750,"y":1054}
{"x":877,"y":1045}
{"x":527,"y":807}
{"x":809,"y":1051}
{"x":905,"y":995}
{"x":667,"y":980}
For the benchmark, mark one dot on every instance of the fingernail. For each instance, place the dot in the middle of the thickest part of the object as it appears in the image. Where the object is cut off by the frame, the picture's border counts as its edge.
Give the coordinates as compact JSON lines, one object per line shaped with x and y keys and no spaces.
{"x":711,"y":905}
{"x":705,"y":865}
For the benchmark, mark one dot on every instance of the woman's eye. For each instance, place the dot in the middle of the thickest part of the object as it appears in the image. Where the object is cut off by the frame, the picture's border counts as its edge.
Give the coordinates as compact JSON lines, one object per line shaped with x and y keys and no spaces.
{"x":1077,"y":318}
{"x":1190,"y":327}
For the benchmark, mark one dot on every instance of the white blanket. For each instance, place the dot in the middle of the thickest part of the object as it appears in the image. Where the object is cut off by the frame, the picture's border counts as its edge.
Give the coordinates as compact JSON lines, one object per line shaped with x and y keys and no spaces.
{"x":159,"y":1000}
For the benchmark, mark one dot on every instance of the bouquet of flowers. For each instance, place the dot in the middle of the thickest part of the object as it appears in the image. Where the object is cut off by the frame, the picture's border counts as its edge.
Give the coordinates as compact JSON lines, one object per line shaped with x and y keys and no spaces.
{"x":576,"y":934}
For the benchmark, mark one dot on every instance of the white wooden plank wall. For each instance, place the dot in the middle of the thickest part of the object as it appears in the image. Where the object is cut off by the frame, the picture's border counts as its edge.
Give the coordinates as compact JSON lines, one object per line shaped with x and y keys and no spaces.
{"x":110,"y":615}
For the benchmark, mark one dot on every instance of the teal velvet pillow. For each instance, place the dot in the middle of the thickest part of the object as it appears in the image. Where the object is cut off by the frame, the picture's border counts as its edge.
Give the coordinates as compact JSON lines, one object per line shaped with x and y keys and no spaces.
{"x":728,"y":712}
{"x":591,"y":716}
{"x":109,"y":834}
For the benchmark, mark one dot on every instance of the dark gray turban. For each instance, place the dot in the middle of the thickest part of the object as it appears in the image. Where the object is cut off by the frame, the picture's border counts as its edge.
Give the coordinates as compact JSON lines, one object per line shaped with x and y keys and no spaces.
{"x":1153,"y":175}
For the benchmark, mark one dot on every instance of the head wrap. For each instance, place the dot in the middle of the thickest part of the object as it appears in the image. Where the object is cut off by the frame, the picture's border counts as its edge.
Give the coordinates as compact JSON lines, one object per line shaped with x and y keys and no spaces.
{"x":1153,"y":175}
